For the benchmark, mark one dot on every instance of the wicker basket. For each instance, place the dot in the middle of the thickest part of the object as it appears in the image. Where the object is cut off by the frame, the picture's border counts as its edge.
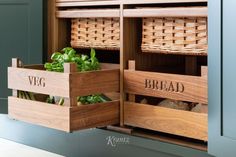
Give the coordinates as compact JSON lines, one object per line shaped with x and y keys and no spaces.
{"x":175,"y":35}
{"x":99,"y":33}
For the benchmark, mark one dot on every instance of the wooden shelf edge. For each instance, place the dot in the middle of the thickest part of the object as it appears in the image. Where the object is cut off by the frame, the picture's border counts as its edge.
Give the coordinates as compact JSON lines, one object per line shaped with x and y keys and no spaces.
{"x":160,"y":1}
{"x":69,"y":3}
{"x":167,"y":12}
{"x":86,"y":3}
{"x":180,"y":142}
{"x":172,"y":139}
{"x":176,"y":53}
{"x":88,"y":13}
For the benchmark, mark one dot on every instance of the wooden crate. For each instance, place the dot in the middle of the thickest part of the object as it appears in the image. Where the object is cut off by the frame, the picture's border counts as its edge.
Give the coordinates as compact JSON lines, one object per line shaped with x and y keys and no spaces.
{"x":68,"y":85}
{"x":177,"y":87}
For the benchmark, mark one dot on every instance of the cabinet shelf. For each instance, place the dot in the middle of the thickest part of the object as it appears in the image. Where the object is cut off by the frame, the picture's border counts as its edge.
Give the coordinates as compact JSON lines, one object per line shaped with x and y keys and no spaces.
{"x":90,"y":13}
{"x":167,"y":12}
{"x":73,"y":3}
{"x":160,"y":1}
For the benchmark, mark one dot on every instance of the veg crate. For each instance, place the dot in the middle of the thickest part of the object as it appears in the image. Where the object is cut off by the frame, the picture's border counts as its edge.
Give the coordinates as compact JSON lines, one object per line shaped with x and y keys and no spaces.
{"x":178,"y":87}
{"x":69,"y":85}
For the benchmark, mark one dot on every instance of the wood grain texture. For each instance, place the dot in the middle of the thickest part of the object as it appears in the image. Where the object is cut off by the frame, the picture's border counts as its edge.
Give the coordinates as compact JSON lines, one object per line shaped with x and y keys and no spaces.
{"x":176,"y":141}
{"x":129,"y":47}
{"x":18,"y":78}
{"x":62,"y":117}
{"x":195,"y":87}
{"x":177,"y":122}
{"x":204,"y":71}
{"x":90,"y":13}
{"x":68,"y":3}
{"x":65,"y":3}
{"x":39,"y":113}
{"x":94,"y":115}
{"x":159,"y":1}
{"x":94,"y":82}
{"x":84,"y":0}
{"x":167,"y":12}
{"x":74,"y":83}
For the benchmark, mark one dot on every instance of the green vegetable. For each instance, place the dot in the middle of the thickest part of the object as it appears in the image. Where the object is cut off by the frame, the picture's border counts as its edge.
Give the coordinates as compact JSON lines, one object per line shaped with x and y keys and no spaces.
{"x":26,"y":95}
{"x":61,"y":102}
{"x":93,"y":99}
{"x":84,"y":63}
{"x":68,"y":55}
{"x":50,"y":100}
{"x":31,"y":95}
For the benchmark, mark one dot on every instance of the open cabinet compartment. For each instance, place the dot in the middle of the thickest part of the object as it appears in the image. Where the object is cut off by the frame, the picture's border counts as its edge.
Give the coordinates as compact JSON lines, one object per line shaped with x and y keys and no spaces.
{"x":172,"y":30}
{"x":183,"y":87}
{"x":69,"y":85}
{"x":99,"y":33}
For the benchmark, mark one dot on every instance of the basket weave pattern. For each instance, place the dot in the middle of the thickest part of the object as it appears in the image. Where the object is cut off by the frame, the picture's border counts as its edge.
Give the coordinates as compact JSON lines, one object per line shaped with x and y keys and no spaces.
{"x":175,"y":35}
{"x":99,"y":33}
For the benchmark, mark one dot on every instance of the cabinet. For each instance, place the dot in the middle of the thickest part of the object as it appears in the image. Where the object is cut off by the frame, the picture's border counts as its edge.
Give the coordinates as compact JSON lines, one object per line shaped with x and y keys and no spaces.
{"x":221,"y":63}
{"x":21,"y":36}
{"x":222,"y":76}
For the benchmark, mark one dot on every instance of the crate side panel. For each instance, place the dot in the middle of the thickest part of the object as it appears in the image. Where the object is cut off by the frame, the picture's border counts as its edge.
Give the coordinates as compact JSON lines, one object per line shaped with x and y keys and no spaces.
{"x":39,"y":113}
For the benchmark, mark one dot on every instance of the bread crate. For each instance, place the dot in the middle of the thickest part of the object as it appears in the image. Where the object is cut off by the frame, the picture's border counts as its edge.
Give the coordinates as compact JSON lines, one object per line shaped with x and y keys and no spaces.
{"x":171,"y":86}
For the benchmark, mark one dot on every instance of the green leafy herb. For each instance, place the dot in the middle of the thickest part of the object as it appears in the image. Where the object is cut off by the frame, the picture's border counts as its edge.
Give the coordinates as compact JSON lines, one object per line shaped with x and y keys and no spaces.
{"x":83,"y":62}
{"x":69,"y":55}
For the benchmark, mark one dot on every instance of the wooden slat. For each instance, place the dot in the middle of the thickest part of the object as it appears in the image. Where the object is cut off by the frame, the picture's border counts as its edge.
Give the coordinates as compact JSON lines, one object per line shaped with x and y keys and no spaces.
{"x":159,"y":1}
{"x":94,"y":82}
{"x":94,"y":115}
{"x":167,"y":12}
{"x":39,"y":113}
{"x":73,"y":3}
{"x":176,"y":141}
{"x":52,"y":83}
{"x":204,"y":71}
{"x":65,"y":84}
{"x":109,"y":66}
{"x":35,"y":67}
{"x":172,"y":86}
{"x":68,"y":3}
{"x":178,"y":122}
{"x":91,"y":13}
{"x":83,"y":0}
{"x":120,"y":129}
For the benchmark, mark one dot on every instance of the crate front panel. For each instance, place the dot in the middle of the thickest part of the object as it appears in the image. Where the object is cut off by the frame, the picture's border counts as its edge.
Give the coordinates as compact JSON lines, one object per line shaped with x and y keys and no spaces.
{"x":64,"y":118}
{"x":95,"y":115}
{"x":95,"y":82}
{"x":172,"y":86}
{"x":39,"y":81}
{"x":39,"y":113}
{"x":177,"y":122}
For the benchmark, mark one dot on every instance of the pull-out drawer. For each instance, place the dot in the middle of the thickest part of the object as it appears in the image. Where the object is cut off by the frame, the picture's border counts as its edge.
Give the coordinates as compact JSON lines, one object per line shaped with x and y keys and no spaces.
{"x":68,"y":85}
